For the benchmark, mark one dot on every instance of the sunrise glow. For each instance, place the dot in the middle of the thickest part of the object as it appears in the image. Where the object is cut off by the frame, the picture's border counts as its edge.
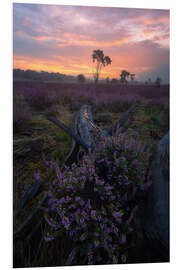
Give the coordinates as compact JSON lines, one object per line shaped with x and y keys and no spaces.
{"x":62,"y":39}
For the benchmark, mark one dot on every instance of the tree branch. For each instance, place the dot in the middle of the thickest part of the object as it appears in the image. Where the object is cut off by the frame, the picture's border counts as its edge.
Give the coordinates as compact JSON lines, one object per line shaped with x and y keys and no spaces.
{"x":122,"y":121}
{"x":68,"y":131}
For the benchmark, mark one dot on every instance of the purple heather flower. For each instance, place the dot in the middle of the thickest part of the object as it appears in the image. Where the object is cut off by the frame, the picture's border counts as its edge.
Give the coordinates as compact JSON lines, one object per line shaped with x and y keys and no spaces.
{"x":118,"y":214}
{"x":68,"y":198}
{"x":37,"y":175}
{"x":77,"y":199}
{"x":93,"y":213}
{"x":48,"y":238}
{"x":51,"y":164}
{"x":66,"y":222}
{"x":96,"y":243}
{"x":81,"y":220}
{"x":62,"y":200}
{"x":83,"y":236}
{"x":123,"y":239}
{"x":46,"y":163}
{"x":81,"y":202}
{"x":107,"y":188}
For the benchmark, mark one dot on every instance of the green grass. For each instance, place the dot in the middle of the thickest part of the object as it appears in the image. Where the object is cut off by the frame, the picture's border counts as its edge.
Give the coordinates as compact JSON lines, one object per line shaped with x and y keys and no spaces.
{"x":63,"y":146}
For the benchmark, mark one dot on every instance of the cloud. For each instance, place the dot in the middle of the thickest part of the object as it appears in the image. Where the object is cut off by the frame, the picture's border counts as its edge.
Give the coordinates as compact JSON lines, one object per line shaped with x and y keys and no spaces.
{"x":135,"y":39}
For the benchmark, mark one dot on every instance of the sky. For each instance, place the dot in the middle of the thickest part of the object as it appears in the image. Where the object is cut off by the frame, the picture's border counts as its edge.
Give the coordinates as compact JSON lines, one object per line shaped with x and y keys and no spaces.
{"x":60,"y":38}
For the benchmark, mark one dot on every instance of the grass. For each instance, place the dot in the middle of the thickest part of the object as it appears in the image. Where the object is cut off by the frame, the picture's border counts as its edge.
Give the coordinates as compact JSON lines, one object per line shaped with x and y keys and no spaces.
{"x":64,"y":145}
{"x":56,"y":145}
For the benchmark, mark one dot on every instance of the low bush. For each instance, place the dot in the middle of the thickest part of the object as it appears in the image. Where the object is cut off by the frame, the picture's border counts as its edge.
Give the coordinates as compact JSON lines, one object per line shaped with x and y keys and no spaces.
{"x":93,"y":204}
{"x":40,"y":98}
{"x":21,"y":114}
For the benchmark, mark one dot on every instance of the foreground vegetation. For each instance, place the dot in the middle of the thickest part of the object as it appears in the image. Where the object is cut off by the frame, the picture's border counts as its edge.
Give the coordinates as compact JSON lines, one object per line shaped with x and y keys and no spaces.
{"x":92,"y":203}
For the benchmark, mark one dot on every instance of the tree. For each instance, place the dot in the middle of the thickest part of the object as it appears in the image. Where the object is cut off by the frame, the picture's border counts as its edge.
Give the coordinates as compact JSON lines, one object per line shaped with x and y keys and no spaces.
{"x":158,"y":82}
{"x":81,"y":78}
{"x":101,"y":60}
{"x":132,"y":76}
{"x":124,"y":74}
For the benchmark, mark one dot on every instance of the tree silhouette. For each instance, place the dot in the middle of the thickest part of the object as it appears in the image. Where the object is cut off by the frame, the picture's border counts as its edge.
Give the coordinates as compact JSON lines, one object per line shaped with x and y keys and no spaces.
{"x":158,"y":81}
{"x":132,"y":76}
{"x":81,"y":78}
{"x":124,"y":74}
{"x":101,"y":60}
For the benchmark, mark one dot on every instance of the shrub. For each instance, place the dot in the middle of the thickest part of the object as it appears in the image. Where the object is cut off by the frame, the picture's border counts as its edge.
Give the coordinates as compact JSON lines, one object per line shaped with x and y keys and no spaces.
{"x":39,"y":98}
{"x":21,"y":114}
{"x":94,"y":203}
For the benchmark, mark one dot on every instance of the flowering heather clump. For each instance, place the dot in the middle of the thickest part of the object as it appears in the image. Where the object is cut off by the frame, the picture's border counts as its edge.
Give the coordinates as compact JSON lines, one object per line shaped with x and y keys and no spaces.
{"x":116,"y":102}
{"x":39,"y":98}
{"x":21,"y":114}
{"x":94,"y":203}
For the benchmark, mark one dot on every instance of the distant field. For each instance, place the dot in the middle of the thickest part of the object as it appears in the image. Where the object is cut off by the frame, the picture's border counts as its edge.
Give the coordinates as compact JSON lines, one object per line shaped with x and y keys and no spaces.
{"x":148,"y":91}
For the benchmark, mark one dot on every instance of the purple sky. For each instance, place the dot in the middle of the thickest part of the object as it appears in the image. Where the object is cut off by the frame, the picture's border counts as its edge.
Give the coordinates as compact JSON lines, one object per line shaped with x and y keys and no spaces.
{"x":62,"y":38}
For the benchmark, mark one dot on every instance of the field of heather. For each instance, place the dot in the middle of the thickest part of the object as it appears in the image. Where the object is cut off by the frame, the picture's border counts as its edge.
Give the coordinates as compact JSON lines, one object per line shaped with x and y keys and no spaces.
{"x":102,"y":232}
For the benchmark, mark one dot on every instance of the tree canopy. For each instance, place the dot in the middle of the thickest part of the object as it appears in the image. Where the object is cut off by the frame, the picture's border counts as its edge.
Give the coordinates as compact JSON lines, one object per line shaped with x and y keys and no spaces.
{"x":124,"y":74}
{"x":100,"y":60}
{"x":81,"y":78}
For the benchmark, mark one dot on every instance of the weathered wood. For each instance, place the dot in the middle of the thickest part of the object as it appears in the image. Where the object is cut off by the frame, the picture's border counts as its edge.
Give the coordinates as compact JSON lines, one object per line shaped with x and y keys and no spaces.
{"x":84,"y":127}
{"x":66,"y":129}
{"x":122,"y":121}
{"x":156,"y":211}
{"x":72,"y":154}
{"x":30,"y":193}
{"x":85,"y":133}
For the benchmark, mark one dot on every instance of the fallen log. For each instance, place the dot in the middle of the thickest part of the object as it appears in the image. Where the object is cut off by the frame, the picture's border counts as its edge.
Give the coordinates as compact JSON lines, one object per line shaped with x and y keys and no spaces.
{"x":156,"y":212}
{"x":30,"y":193}
{"x":75,"y":147}
{"x":68,"y":131}
{"x":85,"y":133}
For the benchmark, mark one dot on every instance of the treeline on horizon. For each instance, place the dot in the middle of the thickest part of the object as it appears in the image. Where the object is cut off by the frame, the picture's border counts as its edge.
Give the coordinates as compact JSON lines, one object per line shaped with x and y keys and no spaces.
{"x":32,"y":75}
{"x":41,"y":75}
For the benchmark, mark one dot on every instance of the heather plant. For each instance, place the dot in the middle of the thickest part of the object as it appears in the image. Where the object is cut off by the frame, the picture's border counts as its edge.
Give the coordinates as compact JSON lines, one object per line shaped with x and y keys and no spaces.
{"x":39,"y":98}
{"x":21,"y":114}
{"x":114,"y":96}
{"x":93,"y":204}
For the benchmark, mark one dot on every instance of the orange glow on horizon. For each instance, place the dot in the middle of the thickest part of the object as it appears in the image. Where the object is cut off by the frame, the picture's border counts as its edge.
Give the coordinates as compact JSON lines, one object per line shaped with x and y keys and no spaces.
{"x":61,"y":38}
{"x":48,"y":65}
